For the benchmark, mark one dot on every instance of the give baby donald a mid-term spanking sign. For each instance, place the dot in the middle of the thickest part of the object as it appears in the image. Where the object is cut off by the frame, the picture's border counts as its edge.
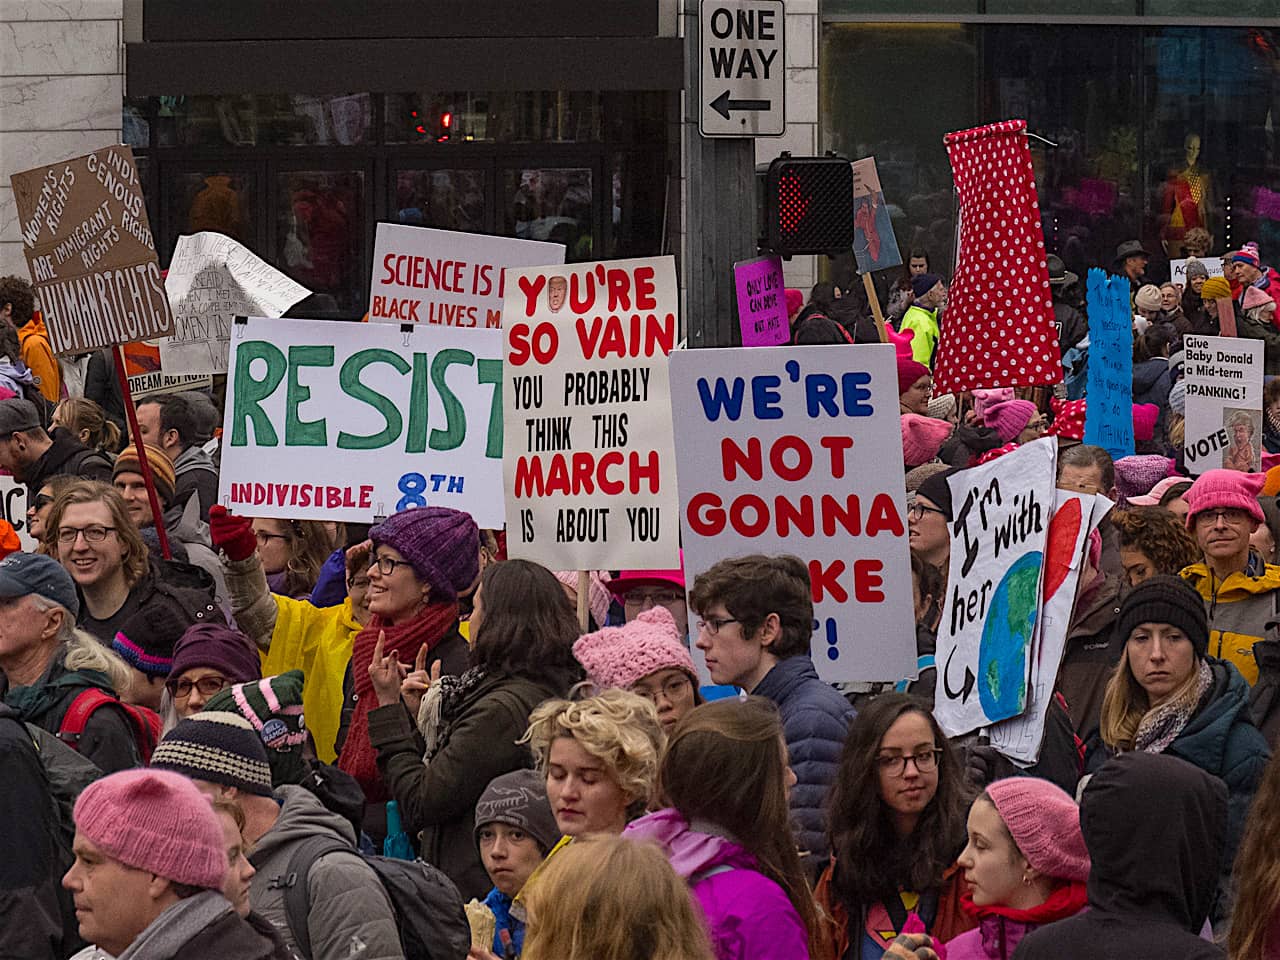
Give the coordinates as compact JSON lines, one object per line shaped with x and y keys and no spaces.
{"x":328,"y":420}
{"x":798,"y":450}
{"x":589,"y":464}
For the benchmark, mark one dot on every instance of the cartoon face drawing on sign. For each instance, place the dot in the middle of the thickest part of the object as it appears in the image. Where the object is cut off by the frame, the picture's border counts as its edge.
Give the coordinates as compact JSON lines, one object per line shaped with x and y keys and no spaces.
{"x":557,"y":290}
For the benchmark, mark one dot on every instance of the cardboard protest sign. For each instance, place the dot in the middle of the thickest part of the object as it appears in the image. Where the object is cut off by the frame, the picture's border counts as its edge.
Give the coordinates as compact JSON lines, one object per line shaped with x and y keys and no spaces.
{"x":1178,"y":269}
{"x":1075,"y":516}
{"x":13,"y":507}
{"x":762,"y":304}
{"x":211,"y":280}
{"x":1224,"y":403}
{"x":589,"y":459}
{"x":992,"y":605}
{"x":351,"y":421}
{"x":874,"y":245}
{"x":1108,"y":421}
{"x":798,"y":450}
{"x":146,"y":375}
{"x":445,"y":277}
{"x":90,"y":251}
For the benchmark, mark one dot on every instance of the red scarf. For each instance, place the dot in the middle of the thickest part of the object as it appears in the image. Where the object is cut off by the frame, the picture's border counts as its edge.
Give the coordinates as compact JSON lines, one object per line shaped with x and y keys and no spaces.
{"x":1066,"y":900}
{"x":358,"y":757}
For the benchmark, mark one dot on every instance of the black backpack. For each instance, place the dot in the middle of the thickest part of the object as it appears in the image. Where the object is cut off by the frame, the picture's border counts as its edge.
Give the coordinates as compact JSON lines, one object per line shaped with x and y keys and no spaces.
{"x":428,"y":908}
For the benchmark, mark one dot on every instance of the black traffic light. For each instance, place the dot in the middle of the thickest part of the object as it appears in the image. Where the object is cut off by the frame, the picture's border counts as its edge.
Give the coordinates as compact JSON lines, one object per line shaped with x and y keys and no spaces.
{"x":808,"y":205}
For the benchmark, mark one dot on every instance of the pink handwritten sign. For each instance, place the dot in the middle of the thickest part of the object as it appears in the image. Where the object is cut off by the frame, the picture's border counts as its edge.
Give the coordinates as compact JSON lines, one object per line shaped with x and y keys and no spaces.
{"x":762,"y":303}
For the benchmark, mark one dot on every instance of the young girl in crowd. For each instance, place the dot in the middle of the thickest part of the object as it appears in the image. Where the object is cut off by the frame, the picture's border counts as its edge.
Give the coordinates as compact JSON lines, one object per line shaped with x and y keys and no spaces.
{"x":600,"y":757}
{"x":1255,"y":919}
{"x":1025,"y":865}
{"x":523,"y":629}
{"x":606,"y":898}
{"x":1153,"y":542}
{"x":1168,"y":696}
{"x":897,"y":820}
{"x":727,"y":831}
{"x":292,"y":553}
{"x":646,"y":656}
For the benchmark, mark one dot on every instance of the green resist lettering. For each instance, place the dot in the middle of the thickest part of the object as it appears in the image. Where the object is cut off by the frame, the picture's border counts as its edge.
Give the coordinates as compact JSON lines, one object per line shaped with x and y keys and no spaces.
{"x":299,"y":432}
{"x":250,"y":393}
{"x":349,"y":381}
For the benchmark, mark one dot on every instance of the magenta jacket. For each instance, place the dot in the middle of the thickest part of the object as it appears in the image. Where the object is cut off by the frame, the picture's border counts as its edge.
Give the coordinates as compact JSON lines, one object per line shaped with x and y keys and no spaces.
{"x":748,"y":915}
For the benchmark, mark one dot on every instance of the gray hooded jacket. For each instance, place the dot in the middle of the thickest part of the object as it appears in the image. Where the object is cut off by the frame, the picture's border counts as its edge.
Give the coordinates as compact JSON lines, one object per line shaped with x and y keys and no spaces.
{"x":350,"y":913}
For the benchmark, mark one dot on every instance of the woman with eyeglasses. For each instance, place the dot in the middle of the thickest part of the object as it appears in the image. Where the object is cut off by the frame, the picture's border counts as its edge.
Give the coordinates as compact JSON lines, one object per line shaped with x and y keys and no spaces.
{"x":440,"y":740}
{"x":1167,"y":695}
{"x":897,"y":822}
{"x":38,"y":511}
{"x":646,"y":656}
{"x":641,"y":590}
{"x":207,"y":659}
{"x":292,"y":553}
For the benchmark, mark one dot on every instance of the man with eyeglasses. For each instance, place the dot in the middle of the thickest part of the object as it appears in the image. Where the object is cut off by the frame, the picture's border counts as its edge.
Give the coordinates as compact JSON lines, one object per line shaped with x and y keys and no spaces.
{"x":755,"y":629}
{"x":1239,"y":588}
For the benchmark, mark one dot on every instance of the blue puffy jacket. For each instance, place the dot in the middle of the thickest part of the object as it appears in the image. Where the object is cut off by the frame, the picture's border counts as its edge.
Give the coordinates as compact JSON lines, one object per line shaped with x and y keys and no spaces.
{"x":815,"y":717}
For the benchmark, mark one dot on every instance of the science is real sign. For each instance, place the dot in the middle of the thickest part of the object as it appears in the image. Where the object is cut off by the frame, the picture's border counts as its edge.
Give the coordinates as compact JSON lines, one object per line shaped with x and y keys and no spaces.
{"x":798,"y":450}
{"x":352,"y":421}
{"x":589,"y":460}
{"x":990,"y":615}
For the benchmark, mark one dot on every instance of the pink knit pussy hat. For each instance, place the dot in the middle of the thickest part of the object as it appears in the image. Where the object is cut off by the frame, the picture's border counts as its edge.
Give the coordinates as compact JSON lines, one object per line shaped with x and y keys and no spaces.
{"x":620,"y":656}
{"x":1222,"y":490}
{"x":922,"y":438}
{"x":156,"y":821}
{"x":598,"y":598}
{"x":1045,"y":824}
{"x":1009,"y":417}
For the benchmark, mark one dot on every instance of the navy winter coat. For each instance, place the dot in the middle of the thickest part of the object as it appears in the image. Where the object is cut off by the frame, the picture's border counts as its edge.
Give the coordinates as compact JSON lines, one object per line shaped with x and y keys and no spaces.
{"x":815,"y":718}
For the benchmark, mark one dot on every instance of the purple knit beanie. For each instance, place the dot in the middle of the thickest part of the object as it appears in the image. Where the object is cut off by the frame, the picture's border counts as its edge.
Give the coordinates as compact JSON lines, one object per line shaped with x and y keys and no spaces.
{"x":1222,"y":490}
{"x":1045,"y":824}
{"x":217,"y":646}
{"x":156,"y":821}
{"x":1008,"y":418}
{"x":620,"y":656}
{"x":442,"y":544}
{"x":1138,"y":474}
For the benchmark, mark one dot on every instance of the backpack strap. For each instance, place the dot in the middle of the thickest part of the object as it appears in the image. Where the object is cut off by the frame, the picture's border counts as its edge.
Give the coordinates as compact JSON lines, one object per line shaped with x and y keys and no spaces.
{"x":76,"y":718}
{"x":297,"y":895}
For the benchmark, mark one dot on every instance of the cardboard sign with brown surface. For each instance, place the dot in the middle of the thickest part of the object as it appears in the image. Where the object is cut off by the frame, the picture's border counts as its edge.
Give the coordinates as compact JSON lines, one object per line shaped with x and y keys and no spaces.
{"x":90,"y":251}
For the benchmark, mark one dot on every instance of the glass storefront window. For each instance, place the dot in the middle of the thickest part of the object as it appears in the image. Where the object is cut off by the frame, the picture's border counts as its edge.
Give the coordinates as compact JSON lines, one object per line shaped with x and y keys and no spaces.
{"x":932,"y":70}
{"x":550,"y":203}
{"x":452,"y":199}
{"x":320,"y":235}
{"x":222,"y":200}
{"x":501,"y":116}
{"x":272,"y":120}
{"x":639,"y":200}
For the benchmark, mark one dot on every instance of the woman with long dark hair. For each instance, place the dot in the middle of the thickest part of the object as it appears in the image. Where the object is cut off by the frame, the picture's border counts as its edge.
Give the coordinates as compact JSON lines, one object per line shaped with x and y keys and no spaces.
{"x":725,"y":781}
{"x":897,"y":814}
{"x":523,"y":630}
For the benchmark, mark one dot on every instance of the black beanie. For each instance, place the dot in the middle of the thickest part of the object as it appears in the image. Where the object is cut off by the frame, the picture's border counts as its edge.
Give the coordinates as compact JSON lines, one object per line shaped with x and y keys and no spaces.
{"x":938,"y":490}
{"x":1168,"y":600}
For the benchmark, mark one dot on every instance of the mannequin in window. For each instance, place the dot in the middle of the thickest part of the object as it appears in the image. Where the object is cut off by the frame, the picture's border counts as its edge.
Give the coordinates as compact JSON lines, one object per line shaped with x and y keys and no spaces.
{"x":1187,"y":198}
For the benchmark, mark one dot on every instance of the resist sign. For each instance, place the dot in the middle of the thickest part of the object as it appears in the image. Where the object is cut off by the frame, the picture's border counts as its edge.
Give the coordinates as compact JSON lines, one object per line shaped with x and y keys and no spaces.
{"x":796,"y":450}
{"x":590,"y":466}
{"x":447,"y":278}
{"x":350,"y":421}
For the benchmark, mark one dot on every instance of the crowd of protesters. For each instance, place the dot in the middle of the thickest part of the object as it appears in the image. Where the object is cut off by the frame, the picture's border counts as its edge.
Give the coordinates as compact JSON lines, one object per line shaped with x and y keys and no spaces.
{"x":233,"y":740}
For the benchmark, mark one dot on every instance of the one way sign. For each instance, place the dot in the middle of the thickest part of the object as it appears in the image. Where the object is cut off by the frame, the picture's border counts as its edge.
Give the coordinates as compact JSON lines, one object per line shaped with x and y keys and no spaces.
{"x":741,"y":80}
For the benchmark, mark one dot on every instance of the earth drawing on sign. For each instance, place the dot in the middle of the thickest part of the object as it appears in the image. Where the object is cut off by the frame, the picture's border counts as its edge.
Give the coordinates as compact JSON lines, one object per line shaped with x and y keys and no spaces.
{"x":1002,"y":655}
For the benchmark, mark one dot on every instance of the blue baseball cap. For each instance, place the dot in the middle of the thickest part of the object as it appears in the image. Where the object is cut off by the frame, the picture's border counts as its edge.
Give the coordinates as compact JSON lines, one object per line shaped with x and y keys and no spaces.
{"x":26,"y":573}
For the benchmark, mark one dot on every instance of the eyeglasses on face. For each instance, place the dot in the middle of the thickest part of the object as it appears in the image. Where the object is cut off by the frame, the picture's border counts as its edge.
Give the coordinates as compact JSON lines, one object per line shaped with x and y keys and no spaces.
{"x":918,"y":510}
{"x":1232,"y":516}
{"x":387,"y":565}
{"x":895,"y":764}
{"x":713,"y":625}
{"x":41,"y":501}
{"x":650,"y":596}
{"x":672,"y":689}
{"x":264,"y":538}
{"x":208,"y":686}
{"x":95,"y":533}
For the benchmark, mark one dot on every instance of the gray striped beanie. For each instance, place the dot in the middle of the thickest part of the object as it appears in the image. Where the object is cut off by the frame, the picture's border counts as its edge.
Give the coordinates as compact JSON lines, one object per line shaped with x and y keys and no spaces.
{"x":219,"y":747}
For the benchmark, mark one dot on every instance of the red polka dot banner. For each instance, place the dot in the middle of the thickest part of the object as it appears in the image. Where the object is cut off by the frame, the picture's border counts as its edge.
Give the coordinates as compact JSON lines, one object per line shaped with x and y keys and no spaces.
{"x":998,"y":329}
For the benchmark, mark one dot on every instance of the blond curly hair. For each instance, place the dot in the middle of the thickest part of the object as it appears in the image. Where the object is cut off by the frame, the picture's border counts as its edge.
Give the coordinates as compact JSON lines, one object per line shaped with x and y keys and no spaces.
{"x":618,"y":728}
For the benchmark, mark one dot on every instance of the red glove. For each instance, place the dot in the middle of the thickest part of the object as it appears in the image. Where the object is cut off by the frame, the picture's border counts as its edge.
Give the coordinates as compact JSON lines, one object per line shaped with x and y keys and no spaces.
{"x":232,"y":535}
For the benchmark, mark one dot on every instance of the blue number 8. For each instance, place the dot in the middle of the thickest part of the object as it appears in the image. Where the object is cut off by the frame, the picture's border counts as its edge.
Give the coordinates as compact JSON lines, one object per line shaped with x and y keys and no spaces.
{"x":412,"y":485}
